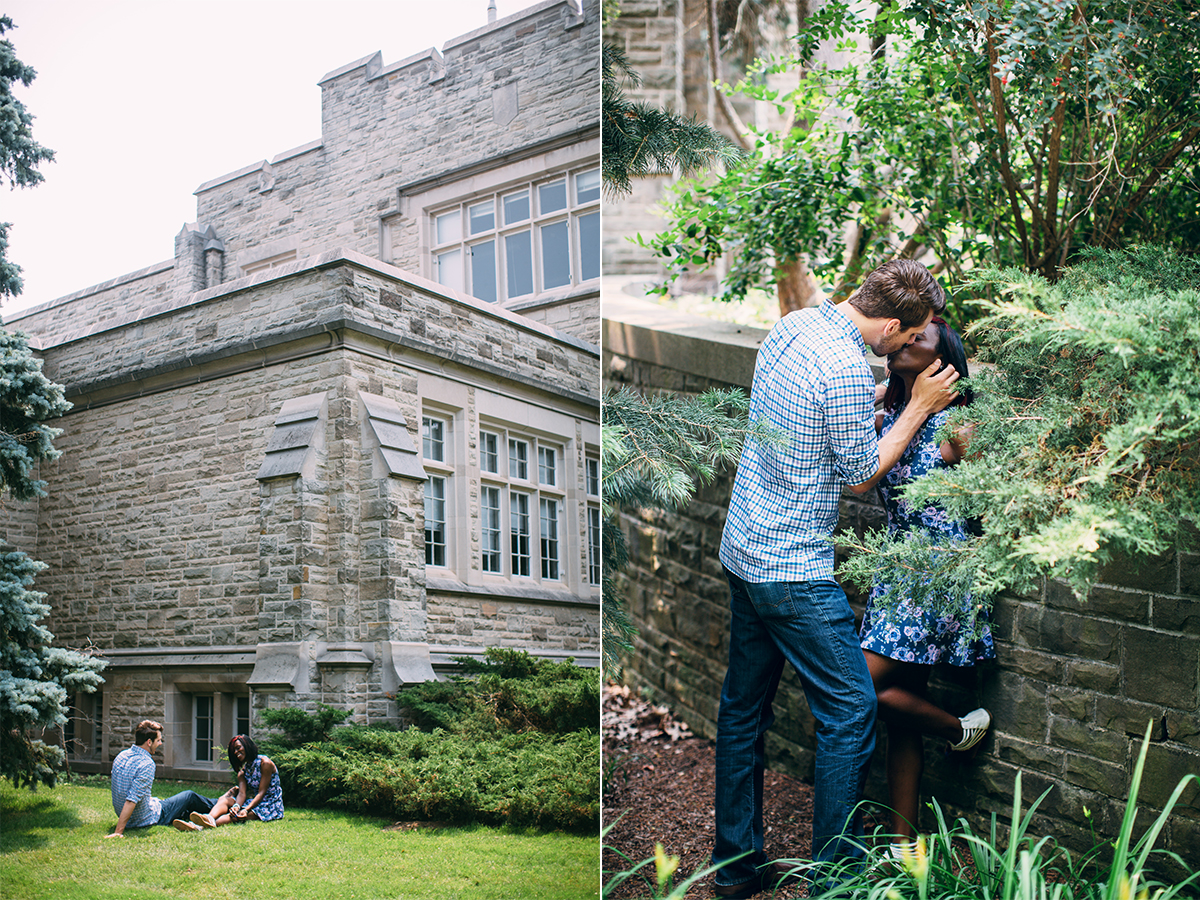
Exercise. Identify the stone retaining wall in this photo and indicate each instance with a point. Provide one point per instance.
(1072, 692)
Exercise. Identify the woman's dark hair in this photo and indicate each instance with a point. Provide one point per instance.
(950, 349)
(248, 747)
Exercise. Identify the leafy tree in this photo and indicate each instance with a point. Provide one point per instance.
(35, 677)
(1086, 444)
(20, 154)
(1000, 132)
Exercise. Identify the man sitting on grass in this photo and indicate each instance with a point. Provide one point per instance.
(133, 779)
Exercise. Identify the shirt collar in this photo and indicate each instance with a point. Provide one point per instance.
(839, 320)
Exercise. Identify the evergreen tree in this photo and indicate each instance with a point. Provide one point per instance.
(20, 154)
(35, 677)
(640, 139)
(655, 450)
(1086, 444)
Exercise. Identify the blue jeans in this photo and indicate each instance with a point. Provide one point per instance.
(183, 805)
(810, 625)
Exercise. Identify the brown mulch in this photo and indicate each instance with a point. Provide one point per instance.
(658, 788)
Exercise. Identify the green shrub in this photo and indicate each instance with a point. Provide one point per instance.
(509, 692)
(530, 779)
(514, 741)
(300, 727)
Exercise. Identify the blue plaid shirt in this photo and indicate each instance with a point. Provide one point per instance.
(133, 779)
(812, 382)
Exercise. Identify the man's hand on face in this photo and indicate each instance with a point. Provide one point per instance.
(932, 390)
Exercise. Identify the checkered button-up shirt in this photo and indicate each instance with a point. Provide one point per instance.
(812, 382)
(133, 779)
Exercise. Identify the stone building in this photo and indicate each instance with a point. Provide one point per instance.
(351, 430)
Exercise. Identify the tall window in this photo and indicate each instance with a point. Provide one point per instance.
(203, 726)
(435, 521)
(434, 435)
(242, 714)
(592, 478)
(531, 238)
(489, 514)
(523, 485)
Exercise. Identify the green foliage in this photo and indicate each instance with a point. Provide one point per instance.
(957, 863)
(515, 741)
(640, 139)
(27, 399)
(1086, 442)
(991, 133)
(20, 154)
(509, 692)
(654, 451)
(530, 779)
(300, 727)
(35, 677)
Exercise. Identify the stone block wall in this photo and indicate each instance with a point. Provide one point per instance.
(1074, 688)
(223, 518)
(492, 98)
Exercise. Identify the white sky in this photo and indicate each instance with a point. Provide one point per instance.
(142, 101)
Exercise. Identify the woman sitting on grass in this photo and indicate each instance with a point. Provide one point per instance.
(254, 773)
(902, 644)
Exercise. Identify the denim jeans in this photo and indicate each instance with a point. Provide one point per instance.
(810, 625)
(183, 805)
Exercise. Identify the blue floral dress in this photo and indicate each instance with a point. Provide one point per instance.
(271, 805)
(909, 633)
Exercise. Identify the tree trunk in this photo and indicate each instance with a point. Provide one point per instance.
(796, 287)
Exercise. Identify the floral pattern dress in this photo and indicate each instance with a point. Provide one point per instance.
(910, 633)
(271, 805)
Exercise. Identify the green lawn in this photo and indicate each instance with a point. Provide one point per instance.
(53, 845)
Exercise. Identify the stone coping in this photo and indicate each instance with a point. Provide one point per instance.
(512, 592)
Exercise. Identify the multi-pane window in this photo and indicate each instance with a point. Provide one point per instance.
(435, 521)
(489, 516)
(593, 527)
(549, 535)
(519, 532)
(531, 238)
(434, 435)
(523, 486)
(592, 478)
(242, 714)
(203, 721)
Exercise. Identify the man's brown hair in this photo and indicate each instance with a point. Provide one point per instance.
(900, 289)
(147, 730)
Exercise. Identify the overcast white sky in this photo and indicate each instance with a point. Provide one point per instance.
(142, 101)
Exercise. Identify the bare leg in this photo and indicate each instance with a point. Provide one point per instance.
(900, 689)
(220, 810)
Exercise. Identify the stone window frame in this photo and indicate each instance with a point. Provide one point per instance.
(180, 719)
(83, 732)
(577, 214)
(541, 567)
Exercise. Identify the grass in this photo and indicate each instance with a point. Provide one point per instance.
(53, 845)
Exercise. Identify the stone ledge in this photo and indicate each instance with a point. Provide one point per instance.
(515, 593)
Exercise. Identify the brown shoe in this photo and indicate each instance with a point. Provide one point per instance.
(203, 820)
(185, 826)
(770, 877)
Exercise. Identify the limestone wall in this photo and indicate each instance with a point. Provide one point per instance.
(1073, 689)
(238, 508)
